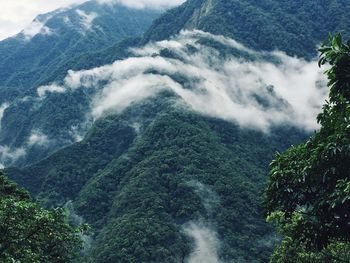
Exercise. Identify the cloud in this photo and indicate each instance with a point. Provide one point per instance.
(54, 88)
(260, 91)
(3, 107)
(35, 28)
(141, 4)
(8, 155)
(37, 138)
(86, 20)
(17, 15)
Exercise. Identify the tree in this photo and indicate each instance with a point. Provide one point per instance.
(308, 194)
(29, 233)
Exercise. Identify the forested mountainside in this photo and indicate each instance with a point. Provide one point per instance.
(296, 27)
(41, 51)
(141, 188)
(175, 138)
(26, 117)
(51, 39)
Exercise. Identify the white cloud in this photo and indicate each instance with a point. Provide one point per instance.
(54, 88)
(17, 15)
(35, 28)
(206, 244)
(37, 138)
(254, 93)
(86, 20)
(8, 155)
(141, 4)
(3, 107)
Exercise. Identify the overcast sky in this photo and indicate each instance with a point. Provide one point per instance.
(15, 15)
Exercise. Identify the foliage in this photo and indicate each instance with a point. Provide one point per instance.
(294, 27)
(30, 233)
(309, 190)
(138, 200)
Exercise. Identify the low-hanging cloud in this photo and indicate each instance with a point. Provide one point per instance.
(142, 4)
(35, 28)
(3, 107)
(9, 155)
(206, 244)
(272, 89)
(86, 19)
(38, 138)
(43, 90)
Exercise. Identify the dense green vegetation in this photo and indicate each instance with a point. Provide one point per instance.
(253, 23)
(309, 190)
(139, 177)
(291, 26)
(139, 199)
(32, 234)
(29, 63)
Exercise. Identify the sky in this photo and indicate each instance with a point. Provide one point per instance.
(15, 15)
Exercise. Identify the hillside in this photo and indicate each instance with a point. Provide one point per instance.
(51, 39)
(33, 56)
(291, 26)
(169, 145)
(174, 170)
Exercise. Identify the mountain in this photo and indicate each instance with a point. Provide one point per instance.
(64, 34)
(41, 51)
(291, 26)
(145, 177)
(63, 120)
(173, 139)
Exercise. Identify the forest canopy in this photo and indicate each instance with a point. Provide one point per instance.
(308, 195)
(30, 233)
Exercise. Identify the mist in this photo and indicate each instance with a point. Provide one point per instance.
(3, 107)
(206, 244)
(253, 89)
(143, 4)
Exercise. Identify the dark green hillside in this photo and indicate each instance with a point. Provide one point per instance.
(296, 27)
(254, 23)
(30, 233)
(157, 178)
(139, 197)
(26, 64)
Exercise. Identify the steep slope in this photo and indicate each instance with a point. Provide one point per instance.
(182, 171)
(254, 23)
(51, 39)
(296, 27)
(175, 172)
(40, 54)
(184, 158)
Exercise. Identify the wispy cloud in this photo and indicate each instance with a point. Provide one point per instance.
(86, 19)
(17, 15)
(3, 107)
(54, 88)
(142, 4)
(206, 244)
(38, 138)
(35, 28)
(271, 89)
(9, 155)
